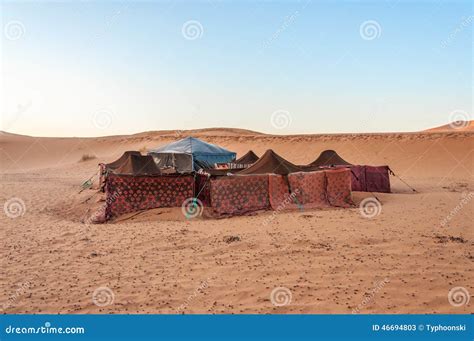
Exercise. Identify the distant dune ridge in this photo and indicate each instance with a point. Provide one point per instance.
(28, 152)
(419, 244)
(454, 126)
(459, 126)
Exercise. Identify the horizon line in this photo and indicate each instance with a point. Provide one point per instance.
(450, 128)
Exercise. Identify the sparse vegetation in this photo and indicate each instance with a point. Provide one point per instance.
(445, 239)
(231, 239)
(143, 150)
(87, 157)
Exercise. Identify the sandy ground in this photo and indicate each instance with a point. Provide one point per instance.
(404, 260)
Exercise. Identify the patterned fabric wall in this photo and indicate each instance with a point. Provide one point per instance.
(234, 195)
(280, 197)
(358, 178)
(377, 179)
(339, 187)
(127, 193)
(370, 179)
(231, 195)
(310, 188)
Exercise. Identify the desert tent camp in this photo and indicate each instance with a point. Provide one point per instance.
(134, 183)
(190, 154)
(271, 163)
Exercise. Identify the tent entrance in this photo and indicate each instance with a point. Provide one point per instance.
(181, 162)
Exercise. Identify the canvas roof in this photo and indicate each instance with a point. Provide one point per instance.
(204, 155)
(249, 157)
(271, 162)
(121, 159)
(329, 158)
(192, 145)
(133, 163)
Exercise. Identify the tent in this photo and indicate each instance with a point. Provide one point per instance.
(133, 182)
(249, 157)
(329, 158)
(117, 163)
(190, 154)
(245, 161)
(132, 163)
(271, 163)
(364, 178)
(371, 178)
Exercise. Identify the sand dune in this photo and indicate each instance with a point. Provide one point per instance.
(405, 260)
(454, 126)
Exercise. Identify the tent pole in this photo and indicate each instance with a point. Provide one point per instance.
(393, 173)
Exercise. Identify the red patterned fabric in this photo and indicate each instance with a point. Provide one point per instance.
(128, 193)
(280, 197)
(310, 188)
(339, 187)
(358, 179)
(234, 195)
(377, 179)
(370, 179)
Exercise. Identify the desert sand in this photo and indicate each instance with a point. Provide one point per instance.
(404, 260)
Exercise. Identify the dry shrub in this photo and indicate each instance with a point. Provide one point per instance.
(87, 157)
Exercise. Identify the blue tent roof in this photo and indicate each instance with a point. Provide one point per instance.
(201, 151)
(192, 145)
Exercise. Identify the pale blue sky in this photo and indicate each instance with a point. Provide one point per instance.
(102, 68)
